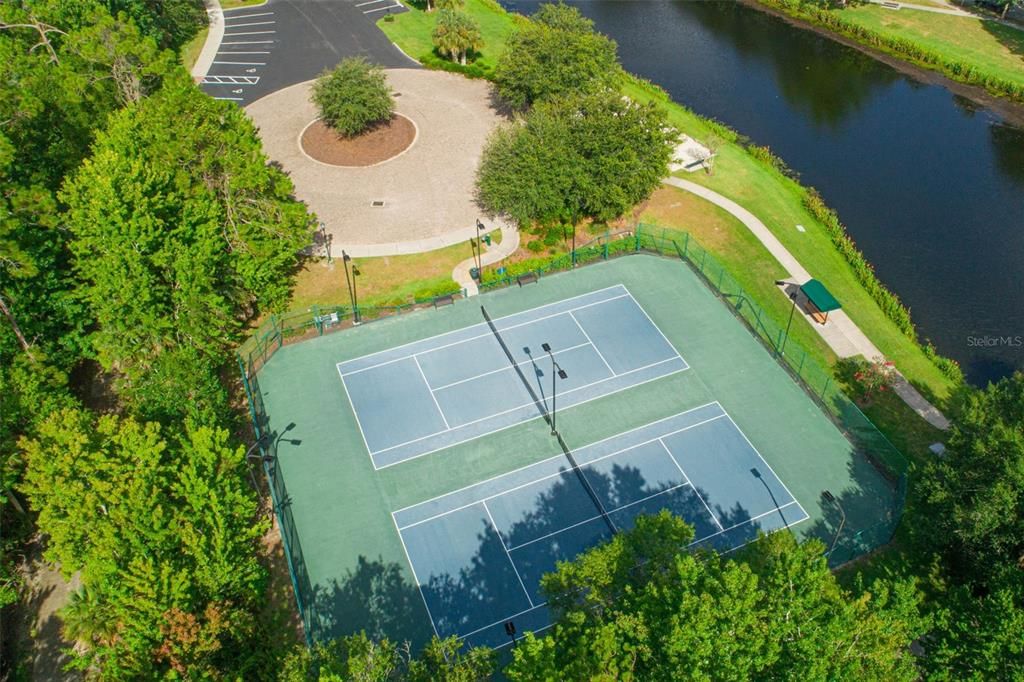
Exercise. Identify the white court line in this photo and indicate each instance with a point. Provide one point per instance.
(561, 456)
(695, 491)
(595, 518)
(760, 457)
(253, 23)
(560, 472)
(418, 585)
(483, 324)
(381, 9)
(519, 407)
(215, 61)
(505, 369)
(486, 334)
(673, 457)
(506, 618)
(246, 16)
(432, 396)
(512, 563)
(751, 520)
(359, 424)
(591, 341)
(653, 324)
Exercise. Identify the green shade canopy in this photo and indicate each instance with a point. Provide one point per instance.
(821, 297)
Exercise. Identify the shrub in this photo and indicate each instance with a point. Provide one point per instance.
(353, 96)
(456, 35)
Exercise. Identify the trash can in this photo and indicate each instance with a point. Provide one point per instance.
(474, 273)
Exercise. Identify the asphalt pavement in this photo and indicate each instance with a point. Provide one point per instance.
(282, 42)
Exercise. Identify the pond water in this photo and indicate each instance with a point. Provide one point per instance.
(929, 185)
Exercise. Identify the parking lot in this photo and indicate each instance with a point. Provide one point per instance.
(282, 42)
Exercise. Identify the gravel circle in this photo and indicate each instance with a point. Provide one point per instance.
(376, 145)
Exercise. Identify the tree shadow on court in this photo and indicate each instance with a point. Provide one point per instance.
(561, 523)
(375, 598)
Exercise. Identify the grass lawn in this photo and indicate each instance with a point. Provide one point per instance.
(411, 30)
(387, 280)
(190, 50)
(993, 48)
(777, 201)
(738, 250)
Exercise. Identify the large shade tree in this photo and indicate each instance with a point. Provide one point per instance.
(639, 608)
(543, 61)
(580, 156)
(161, 528)
(181, 231)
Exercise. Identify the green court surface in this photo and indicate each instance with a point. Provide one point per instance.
(353, 570)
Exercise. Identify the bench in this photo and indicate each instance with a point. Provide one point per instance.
(447, 299)
(528, 278)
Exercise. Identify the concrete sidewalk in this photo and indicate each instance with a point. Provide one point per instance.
(509, 244)
(840, 333)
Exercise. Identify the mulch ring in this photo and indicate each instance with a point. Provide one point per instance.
(379, 143)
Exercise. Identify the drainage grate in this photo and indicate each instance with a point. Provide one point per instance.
(377, 203)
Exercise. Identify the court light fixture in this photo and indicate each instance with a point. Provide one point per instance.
(829, 497)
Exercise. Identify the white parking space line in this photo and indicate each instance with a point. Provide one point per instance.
(233, 99)
(217, 61)
(231, 80)
(380, 9)
(250, 42)
(249, 33)
(371, 2)
(253, 23)
(225, 54)
(229, 17)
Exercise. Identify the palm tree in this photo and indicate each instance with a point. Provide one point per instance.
(86, 618)
(456, 34)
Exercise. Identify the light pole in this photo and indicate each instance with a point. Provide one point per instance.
(829, 497)
(556, 373)
(250, 456)
(510, 630)
(792, 311)
(479, 247)
(351, 282)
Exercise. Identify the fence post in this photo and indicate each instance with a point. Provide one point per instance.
(800, 369)
(277, 330)
(316, 319)
(824, 388)
(686, 242)
(721, 276)
(703, 257)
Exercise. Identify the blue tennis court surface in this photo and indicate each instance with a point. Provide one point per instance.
(478, 553)
(431, 394)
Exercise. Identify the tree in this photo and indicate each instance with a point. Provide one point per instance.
(357, 657)
(353, 96)
(162, 528)
(639, 608)
(563, 17)
(579, 156)
(542, 62)
(181, 231)
(171, 23)
(449, 4)
(974, 495)
(978, 637)
(456, 34)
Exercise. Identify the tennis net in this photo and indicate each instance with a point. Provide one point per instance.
(542, 408)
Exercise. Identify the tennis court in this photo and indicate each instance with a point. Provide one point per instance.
(420, 489)
(431, 394)
(478, 553)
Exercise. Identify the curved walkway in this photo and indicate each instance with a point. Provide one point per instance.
(840, 332)
(509, 244)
